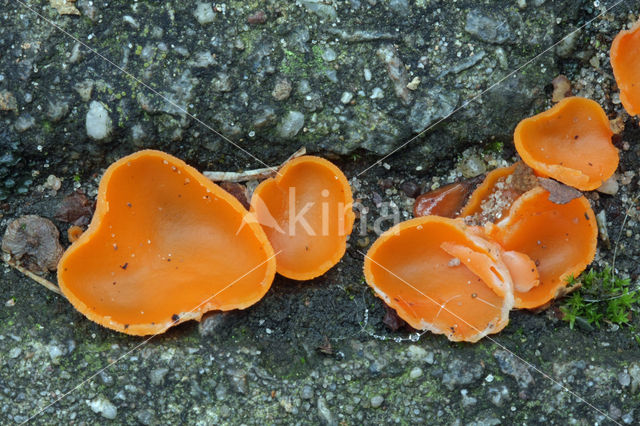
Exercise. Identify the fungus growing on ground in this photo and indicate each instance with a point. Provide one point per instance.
(625, 61)
(571, 142)
(446, 201)
(165, 245)
(306, 212)
(441, 276)
(491, 200)
(560, 238)
(73, 233)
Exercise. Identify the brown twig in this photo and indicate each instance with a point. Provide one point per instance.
(42, 281)
(258, 174)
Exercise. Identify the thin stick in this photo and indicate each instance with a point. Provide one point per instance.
(258, 174)
(42, 281)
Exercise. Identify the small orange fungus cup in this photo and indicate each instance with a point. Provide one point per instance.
(560, 239)
(165, 245)
(570, 142)
(307, 214)
(486, 189)
(625, 61)
(442, 276)
(446, 201)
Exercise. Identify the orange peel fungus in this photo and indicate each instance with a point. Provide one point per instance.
(625, 61)
(570, 142)
(165, 245)
(560, 239)
(307, 214)
(442, 276)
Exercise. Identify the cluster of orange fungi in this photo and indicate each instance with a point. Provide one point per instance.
(166, 245)
(469, 257)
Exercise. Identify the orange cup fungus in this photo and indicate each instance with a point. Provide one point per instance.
(442, 276)
(306, 212)
(571, 142)
(625, 61)
(165, 245)
(446, 201)
(560, 239)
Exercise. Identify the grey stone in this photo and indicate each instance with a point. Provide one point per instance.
(222, 83)
(157, 376)
(329, 54)
(291, 124)
(401, 7)
(461, 372)
(104, 407)
(512, 366)
(567, 45)
(24, 123)
(624, 379)
(467, 401)
(15, 352)
(320, 8)
(487, 28)
(204, 13)
(307, 392)
(415, 373)
(376, 401)
(427, 110)
(145, 417)
(238, 380)
(57, 110)
(498, 395)
(325, 413)
(98, 122)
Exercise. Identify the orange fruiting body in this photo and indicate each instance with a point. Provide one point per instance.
(571, 142)
(165, 245)
(446, 201)
(625, 61)
(73, 233)
(559, 239)
(307, 214)
(440, 275)
(485, 189)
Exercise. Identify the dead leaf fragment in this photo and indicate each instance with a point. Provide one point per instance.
(64, 7)
(33, 241)
(76, 209)
(559, 193)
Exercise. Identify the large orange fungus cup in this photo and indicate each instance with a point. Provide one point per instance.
(307, 214)
(165, 245)
(625, 61)
(442, 276)
(560, 239)
(571, 142)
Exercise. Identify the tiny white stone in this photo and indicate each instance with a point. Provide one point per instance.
(98, 123)
(346, 97)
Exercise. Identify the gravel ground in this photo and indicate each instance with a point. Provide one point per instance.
(352, 81)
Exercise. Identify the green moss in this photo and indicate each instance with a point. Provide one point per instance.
(602, 298)
(300, 65)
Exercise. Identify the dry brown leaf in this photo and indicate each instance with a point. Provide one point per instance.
(64, 7)
(559, 193)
